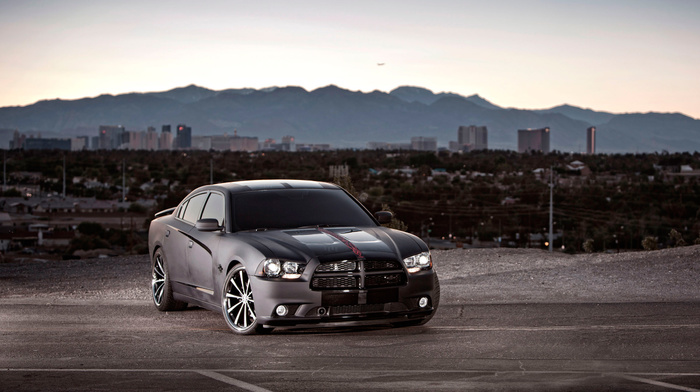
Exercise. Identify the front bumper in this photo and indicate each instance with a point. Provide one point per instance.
(307, 307)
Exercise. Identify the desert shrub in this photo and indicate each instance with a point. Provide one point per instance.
(649, 243)
(588, 246)
(676, 238)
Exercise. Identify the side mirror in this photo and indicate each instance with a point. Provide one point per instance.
(208, 224)
(383, 217)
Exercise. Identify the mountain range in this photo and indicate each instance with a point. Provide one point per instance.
(349, 119)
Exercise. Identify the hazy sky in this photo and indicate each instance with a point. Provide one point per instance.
(619, 56)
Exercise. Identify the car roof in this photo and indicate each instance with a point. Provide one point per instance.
(258, 185)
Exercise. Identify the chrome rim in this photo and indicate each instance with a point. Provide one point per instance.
(240, 306)
(158, 280)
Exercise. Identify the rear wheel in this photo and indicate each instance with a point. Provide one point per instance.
(161, 289)
(238, 304)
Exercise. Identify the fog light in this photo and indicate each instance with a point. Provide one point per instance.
(423, 302)
(281, 310)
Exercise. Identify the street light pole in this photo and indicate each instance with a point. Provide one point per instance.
(123, 180)
(551, 208)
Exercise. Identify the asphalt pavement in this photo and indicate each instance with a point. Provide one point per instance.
(110, 344)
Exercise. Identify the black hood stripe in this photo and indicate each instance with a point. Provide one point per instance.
(353, 248)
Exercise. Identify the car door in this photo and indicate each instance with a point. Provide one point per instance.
(178, 240)
(202, 247)
(174, 245)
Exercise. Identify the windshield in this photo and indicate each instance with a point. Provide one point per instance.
(290, 208)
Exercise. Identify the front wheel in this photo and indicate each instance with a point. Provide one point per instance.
(238, 304)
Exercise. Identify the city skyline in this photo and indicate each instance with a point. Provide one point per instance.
(619, 56)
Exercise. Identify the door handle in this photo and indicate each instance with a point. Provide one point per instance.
(167, 233)
(190, 243)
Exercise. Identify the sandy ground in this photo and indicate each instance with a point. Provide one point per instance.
(467, 277)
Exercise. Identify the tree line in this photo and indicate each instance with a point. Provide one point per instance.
(617, 202)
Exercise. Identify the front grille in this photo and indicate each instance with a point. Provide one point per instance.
(335, 282)
(356, 309)
(377, 265)
(365, 274)
(337, 266)
(383, 280)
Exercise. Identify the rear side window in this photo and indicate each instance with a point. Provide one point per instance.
(215, 208)
(194, 208)
(181, 211)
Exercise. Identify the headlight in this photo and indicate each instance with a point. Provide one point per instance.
(418, 262)
(274, 268)
(292, 270)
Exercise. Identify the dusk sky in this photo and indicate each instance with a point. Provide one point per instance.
(619, 56)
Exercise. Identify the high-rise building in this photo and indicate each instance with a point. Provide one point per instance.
(423, 143)
(243, 143)
(533, 140)
(184, 136)
(165, 142)
(136, 140)
(151, 141)
(80, 143)
(473, 137)
(111, 137)
(17, 141)
(289, 143)
(590, 140)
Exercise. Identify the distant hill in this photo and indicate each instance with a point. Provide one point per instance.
(349, 119)
(590, 116)
(423, 95)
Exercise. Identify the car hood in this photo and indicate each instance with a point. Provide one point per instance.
(338, 243)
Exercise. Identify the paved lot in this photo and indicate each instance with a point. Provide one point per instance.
(127, 345)
(510, 321)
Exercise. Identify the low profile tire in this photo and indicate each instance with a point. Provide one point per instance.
(436, 303)
(161, 289)
(238, 305)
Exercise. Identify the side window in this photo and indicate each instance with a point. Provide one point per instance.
(215, 208)
(194, 208)
(181, 211)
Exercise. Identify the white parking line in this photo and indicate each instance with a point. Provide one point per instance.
(654, 382)
(216, 374)
(331, 370)
(568, 327)
(232, 381)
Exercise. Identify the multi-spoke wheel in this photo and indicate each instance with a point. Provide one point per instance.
(238, 304)
(160, 285)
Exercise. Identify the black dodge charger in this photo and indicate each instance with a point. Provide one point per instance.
(289, 253)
